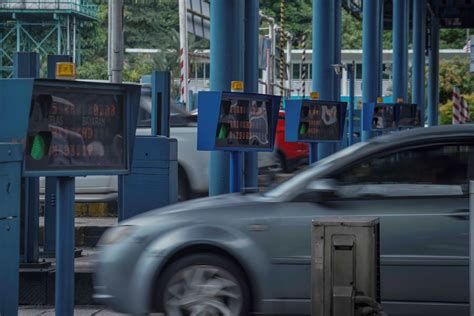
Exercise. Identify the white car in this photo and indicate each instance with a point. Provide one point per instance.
(193, 165)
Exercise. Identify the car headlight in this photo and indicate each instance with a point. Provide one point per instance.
(116, 234)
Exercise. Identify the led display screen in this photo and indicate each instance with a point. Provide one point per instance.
(76, 129)
(245, 123)
(409, 115)
(320, 121)
(384, 116)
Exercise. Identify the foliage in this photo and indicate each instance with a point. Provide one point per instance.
(454, 72)
(446, 110)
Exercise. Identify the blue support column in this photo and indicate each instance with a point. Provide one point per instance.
(227, 65)
(370, 48)
(64, 291)
(418, 67)
(51, 182)
(380, 48)
(433, 73)
(27, 65)
(350, 73)
(400, 50)
(252, 26)
(337, 47)
(324, 44)
(160, 116)
(235, 171)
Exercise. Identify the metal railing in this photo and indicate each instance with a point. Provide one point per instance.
(84, 7)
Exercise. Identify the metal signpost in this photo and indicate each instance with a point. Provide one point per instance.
(73, 129)
(315, 121)
(237, 122)
(388, 117)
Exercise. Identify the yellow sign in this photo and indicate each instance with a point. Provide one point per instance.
(399, 100)
(65, 70)
(359, 104)
(237, 86)
(379, 100)
(314, 95)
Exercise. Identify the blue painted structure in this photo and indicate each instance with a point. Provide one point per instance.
(370, 70)
(433, 72)
(324, 43)
(14, 124)
(210, 104)
(350, 129)
(252, 26)
(418, 65)
(227, 59)
(27, 65)
(50, 182)
(400, 50)
(153, 180)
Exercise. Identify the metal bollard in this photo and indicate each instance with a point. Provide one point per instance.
(343, 279)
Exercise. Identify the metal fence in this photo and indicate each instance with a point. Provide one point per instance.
(81, 6)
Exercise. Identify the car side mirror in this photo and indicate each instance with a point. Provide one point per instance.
(318, 191)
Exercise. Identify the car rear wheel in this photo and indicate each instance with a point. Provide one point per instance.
(203, 285)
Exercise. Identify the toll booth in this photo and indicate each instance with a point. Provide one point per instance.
(315, 121)
(13, 126)
(153, 180)
(66, 129)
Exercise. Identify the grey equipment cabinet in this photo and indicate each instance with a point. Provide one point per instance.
(344, 264)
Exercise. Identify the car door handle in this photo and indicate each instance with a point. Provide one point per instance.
(462, 214)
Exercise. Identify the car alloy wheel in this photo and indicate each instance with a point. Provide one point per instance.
(203, 290)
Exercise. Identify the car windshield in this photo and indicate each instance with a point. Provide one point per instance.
(299, 179)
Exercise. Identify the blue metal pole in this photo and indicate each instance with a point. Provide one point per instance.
(227, 65)
(337, 47)
(64, 292)
(27, 65)
(350, 73)
(433, 73)
(400, 50)
(418, 67)
(324, 44)
(50, 182)
(160, 112)
(370, 53)
(251, 80)
(235, 171)
(380, 48)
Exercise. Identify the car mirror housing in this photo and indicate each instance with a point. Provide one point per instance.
(318, 191)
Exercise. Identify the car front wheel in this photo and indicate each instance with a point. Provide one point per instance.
(203, 285)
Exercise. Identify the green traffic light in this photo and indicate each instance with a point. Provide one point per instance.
(303, 129)
(38, 148)
(222, 132)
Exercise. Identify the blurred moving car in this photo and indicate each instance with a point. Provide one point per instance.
(291, 155)
(240, 253)
(192, 164)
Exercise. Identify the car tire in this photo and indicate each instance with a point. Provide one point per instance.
(203, 282)
(283, 162)
(184, 190)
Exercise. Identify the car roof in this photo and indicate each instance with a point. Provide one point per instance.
(427, 133)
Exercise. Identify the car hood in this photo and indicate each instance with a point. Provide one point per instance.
(226, 205)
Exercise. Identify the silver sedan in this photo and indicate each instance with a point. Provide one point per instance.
(238, 254)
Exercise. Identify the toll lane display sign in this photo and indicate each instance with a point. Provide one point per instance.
(244, 123)
(314, 121)
(386, 116)
(236, 121)
(83, 127)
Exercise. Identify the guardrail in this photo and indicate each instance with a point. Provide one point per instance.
(81, 6)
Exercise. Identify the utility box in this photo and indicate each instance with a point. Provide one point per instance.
(344, 264)
(11, 156)
(153, 181)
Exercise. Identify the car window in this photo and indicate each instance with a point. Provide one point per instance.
(178, 117)
(432, 170)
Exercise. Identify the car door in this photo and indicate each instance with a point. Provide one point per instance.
(420, 195)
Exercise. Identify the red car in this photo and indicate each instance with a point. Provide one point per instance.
(291, 155)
